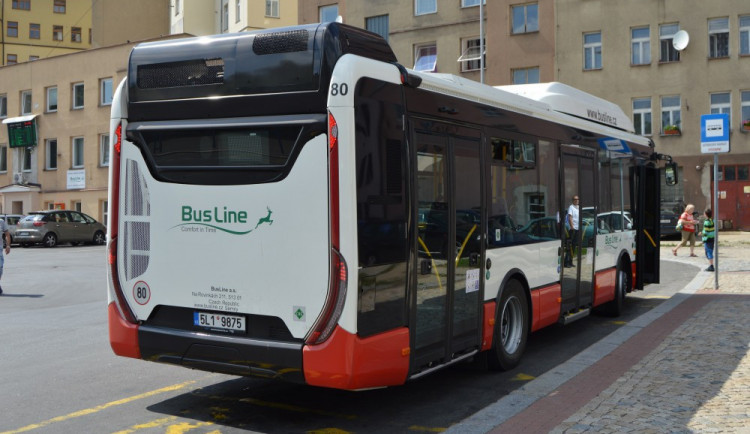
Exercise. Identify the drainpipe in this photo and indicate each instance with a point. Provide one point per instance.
(481, 41)
(2, 30)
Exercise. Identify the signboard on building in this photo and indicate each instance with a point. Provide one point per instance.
(76, 179)
(715, 133)
(22, 131)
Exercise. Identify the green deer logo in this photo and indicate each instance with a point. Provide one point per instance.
(266, 219)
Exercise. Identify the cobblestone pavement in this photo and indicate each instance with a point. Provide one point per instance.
(698, 378)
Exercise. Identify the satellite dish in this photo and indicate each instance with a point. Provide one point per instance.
(680, 40)
(339, 19)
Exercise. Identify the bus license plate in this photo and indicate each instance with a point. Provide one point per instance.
(219, 321)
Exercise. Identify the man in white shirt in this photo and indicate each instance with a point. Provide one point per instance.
(572, 223)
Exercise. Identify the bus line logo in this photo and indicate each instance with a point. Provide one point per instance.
(225, 220)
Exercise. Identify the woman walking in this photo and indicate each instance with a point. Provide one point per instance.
(687, 223)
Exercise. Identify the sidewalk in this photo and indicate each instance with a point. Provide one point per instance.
(682, 367)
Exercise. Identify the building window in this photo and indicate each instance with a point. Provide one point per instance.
(225, 15)
(22, 4)
(11, 59)
(34, 31)
(26, 102)
(670, 114)
(50, 161)
(422, 7)
(471, 55)
(78, 95)
(104, 150)
(76, 206)
(272, 9)
(526, 75)
(105, 211)
(52, 99)
(105, 91)
(237, 13)
(26, 159)
(3, 106)
(745, 107)
(12, 29)
(75, 34)
(642, 116)
(667, 52)
(425, 58)
(328, 14)
(3, 158)
(721, 102)
(470, 3)
(176, 7)
(525, 18)
(77, 153)
(592, 51)
(59, 7)
(57, 33)
(378, 25)
(718, 37)
(641, 46)
(745, 35)
(33, 58)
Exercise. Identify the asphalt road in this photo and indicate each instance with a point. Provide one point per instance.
(58, 374)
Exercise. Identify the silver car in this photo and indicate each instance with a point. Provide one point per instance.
(11, 220)
(58, 226)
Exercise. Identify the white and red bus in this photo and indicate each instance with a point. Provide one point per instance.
(293, 203)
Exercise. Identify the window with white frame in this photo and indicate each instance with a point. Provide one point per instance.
(57, 33)
(77, 95)
(59, 7)
(3, 106)
(272, 8)
(721, 102)
(26, 159)
(425, 58)
(640, 42)
(104, 150)
(745, 35)
(77, 148)
(745, 107)
(422, 7)
(76, 205)
(470, 3)
(75, 34)
(642, 116)
(328, 14)
(26, 102)
(105, 91)
(225, 15)
(525, 18)
(378, 24)
(670, 113)
(592, 50)
(718, 37)
(667, 52)
(52, 99)
(105, 211)
(526, 75)
(237, 13)
(176, 7)
(50, 160)
(11, 59)
(3, 158)
(471, 56)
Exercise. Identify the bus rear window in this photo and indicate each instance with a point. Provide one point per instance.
(216, 148)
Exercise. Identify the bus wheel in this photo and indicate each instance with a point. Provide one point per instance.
(511, 331)
(614, 308)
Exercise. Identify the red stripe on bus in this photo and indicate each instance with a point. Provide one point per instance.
(632, 276)
(604, 290)
(545, 306)
(123, 335)
(489, 325)
(346, 361)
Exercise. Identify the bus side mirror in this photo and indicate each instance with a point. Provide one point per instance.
(670, 173)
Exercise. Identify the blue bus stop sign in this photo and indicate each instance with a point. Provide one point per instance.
(715, 133)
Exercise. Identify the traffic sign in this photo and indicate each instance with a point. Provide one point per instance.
(715, 133)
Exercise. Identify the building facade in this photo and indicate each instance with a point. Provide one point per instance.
(38, 29)
(208, 17)
(116, 22)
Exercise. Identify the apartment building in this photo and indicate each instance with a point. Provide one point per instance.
(208, 17)
(36, 29)
(54, 140)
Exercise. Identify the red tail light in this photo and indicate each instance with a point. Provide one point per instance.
(39, 223)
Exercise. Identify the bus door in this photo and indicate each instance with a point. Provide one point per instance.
(645, 193)
(449, 247)
(579, 246)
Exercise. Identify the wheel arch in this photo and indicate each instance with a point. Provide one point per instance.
(516, 274)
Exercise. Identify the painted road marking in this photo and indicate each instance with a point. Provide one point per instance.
(99, 408)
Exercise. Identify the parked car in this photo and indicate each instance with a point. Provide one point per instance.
(12, 220)
(670, 213)
(58, 226)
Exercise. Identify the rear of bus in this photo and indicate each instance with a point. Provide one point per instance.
(223, 249)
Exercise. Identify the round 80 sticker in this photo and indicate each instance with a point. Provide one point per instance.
(141, 292)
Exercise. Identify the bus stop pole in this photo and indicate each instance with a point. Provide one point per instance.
(716, 217)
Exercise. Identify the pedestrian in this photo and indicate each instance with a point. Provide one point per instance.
(6, 247)
(571, 225)
(686, 223)
(708, 237)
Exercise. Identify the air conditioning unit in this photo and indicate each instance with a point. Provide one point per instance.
(18, 178)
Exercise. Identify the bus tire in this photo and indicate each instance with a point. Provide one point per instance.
(511, 328)
(614, 308)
